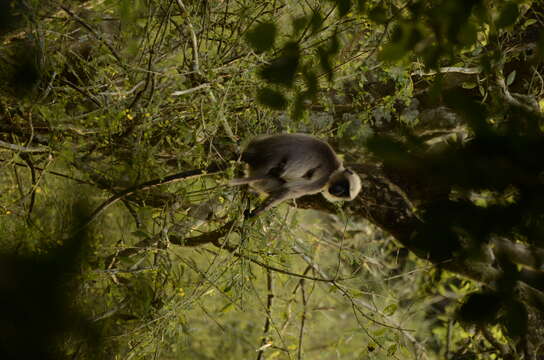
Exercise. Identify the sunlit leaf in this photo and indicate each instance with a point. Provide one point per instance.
(390, 309)
(391, 350)
(511, 77)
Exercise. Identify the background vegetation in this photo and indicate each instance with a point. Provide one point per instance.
(121, 122)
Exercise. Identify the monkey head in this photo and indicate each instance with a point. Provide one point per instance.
(344, 184)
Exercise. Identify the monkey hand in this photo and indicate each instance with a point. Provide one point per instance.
(249, 214)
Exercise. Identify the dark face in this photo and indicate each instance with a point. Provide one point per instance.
(340, 188)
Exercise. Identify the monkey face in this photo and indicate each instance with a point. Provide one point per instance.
(343, 185)
(340, 188)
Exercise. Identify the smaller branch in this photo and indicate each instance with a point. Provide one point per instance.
(196, 68)
(28, 161)
(133, 212)
(150, 184)
(140, 246)
(450, 69)
(148, 79)
(188, 91)
(127, 271)
(81, 91)
(196, 65)
(23, 149)
(123, 93)
(506, 96)
(111, 312)
(266, 328)
(52, 173)
(213, 238)
(302, 319)
(222, 118)
(207, 238)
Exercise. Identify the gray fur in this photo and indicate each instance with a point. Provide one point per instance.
(288, 166)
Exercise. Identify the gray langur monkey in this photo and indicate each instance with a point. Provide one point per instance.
(288, 166)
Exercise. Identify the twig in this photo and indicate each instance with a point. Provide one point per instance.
(303, 317)
(222, 117)
(207, 238)
(28, 161)
(196, 68)
(266, 328)
(81, 91)
(213, 238)
(53, 173)
(95, 34)
(123, 93)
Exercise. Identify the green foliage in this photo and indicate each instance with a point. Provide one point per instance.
(119, 93)
(282, 70)
(38, 314)
(480, 308)
(343, 7)
(508, 15)
(261, 38)
(272, 98)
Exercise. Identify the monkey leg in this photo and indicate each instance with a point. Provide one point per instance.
(272, 200)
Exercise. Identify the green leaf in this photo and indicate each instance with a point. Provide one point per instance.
(378, 15)
(509, 15)
(283, 69)
(325, 60)
(516, 319)
(272, 98)
(480, 308)
(298, 107)
(312, 83)
(141, 234)
(390, 309)
(391, 350)
(392, 52)
(343, 7)
(360, 5)
(299, 24)
(528, 23)
(262, 36)
(316, 22)
(511, 77)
